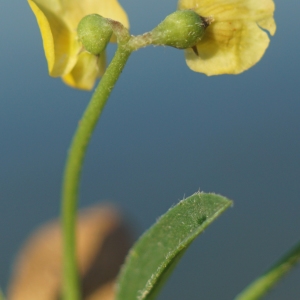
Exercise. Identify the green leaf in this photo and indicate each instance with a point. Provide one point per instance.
(154, 256)
(264, 283)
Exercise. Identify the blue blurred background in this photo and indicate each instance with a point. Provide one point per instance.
(166, 133)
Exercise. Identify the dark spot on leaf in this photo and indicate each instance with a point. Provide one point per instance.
(201, 220)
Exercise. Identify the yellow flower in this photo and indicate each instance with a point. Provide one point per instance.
(235, 40)
(58, 21)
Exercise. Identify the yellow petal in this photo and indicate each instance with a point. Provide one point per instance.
(58, 21)
(77, 9)
(72, 11)
(86, 71)
(224, 10)
(228, 48)
(60, 44)
(234, 41)
(260, 11)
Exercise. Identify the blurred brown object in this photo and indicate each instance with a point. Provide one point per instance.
(102, 244)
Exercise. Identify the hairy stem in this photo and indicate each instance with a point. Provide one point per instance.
(71, 180)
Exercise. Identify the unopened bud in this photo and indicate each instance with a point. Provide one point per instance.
(94, 32)
(182, 29)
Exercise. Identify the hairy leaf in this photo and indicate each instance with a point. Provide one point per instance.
(156, 253)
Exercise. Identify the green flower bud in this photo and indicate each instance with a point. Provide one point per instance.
(181, 29)
(94, 32)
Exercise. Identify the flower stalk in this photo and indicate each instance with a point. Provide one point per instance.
(73, 169)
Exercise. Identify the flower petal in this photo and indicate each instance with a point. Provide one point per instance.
(58, 21)
(228, 48)
(86, 71)
(235, 40)
(105, 8)
(72, 11)
(60, 44)
(260, 11)
(225, 10)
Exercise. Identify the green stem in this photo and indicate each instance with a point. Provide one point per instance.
(263, 284)
(71, 289)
